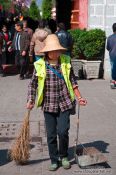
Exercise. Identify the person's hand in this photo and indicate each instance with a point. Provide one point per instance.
(10, 49)
(82, 101)
(23, 53)
(30, 105)
(9, 42)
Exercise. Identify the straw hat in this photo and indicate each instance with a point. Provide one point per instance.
(52, 43)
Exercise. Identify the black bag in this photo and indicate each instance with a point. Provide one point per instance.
(73, 110)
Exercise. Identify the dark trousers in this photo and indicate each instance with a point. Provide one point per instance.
(57, 123)
(4, 57)
(22, 63)
(1, 69)
(113, 68)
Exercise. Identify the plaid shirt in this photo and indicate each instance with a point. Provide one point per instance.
(56, 94)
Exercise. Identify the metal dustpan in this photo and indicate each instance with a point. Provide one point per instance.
(89, 156)
(86, 156)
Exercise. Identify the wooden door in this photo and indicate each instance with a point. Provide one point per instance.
(75, 14)
(79, 14)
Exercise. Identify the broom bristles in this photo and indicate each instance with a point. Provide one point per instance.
(19, 151)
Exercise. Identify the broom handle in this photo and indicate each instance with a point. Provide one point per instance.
(29, 110)
(28, 113)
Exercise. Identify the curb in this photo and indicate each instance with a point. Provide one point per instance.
(12, 69)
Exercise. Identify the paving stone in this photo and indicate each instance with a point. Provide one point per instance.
(97, 123)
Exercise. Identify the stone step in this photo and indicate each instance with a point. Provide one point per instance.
(12, 69)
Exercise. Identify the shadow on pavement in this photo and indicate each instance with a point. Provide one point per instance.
(99, 145)
(30, 162)
(32, 146)
(4, 157)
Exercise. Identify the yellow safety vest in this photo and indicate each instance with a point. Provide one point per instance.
(41, 73)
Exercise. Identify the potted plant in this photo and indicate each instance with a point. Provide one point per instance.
(77, 56)
(92, 45)
(89, 46)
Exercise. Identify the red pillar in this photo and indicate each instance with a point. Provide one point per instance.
(75, 14)
(0, 7)
(79, 17)
(83, 14)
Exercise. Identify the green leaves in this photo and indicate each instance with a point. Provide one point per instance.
(25, 12)
(6, 4)
(90, 43)
(34, 12)
(46, 9)
(76, 37)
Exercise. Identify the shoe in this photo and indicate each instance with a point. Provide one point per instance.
(65, 163)
(2, 75)
(53, 167)
(21, 77)
(112, 85)
(26, 76)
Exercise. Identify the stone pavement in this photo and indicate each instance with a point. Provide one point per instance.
(97, 128)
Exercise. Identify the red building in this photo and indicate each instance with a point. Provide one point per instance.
(74, 13)
(79, 14)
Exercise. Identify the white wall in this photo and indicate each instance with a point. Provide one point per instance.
(102, 14)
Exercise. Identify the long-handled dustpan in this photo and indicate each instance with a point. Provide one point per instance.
(86, 156)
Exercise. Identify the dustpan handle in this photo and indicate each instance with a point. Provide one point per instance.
(78, 111)
(77, 132)
(77, 136)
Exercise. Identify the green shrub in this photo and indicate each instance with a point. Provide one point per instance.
(92, 43)
(46, 9)
(25, 12)
(76, 52)
(89, 44)
(34, 12)
(6, 4)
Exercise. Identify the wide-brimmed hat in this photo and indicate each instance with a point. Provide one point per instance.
(52, 44)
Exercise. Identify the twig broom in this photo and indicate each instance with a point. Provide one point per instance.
(20, 150)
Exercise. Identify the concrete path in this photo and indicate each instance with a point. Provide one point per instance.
(97, 128)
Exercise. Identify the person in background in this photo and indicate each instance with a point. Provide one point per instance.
(52, 25)
(10, 25)
(6, 56)
(1, 45)
(37, 41)
(27, 29)
(47, 28)
(64, 38)
(111, 47)
(55, 82)
(30, 33)
(20, 17)
(21, 46)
